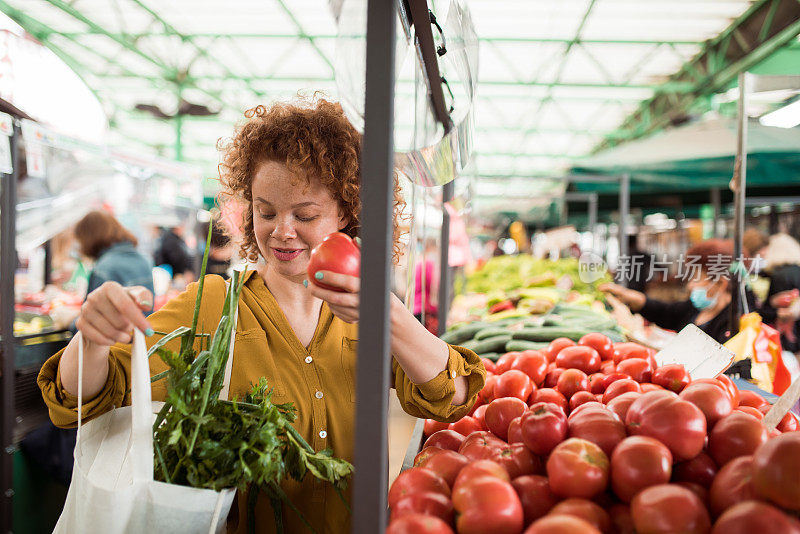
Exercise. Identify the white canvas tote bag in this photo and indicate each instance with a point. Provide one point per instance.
(112, 489)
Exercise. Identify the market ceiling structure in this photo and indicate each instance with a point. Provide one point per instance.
(557, 82)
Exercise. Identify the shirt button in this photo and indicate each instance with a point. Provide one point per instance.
(309, 359)
(323, 434)
(318, 394)
(452, 374)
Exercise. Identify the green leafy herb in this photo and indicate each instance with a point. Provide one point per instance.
(202, 441)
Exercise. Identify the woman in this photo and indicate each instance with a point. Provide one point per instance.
(297, 169)
(782, 265)
(112, 247)
(709, 301)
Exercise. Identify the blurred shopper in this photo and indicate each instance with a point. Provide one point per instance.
(425, 281)
(781, 308)
(173, 251)
(220, 251)
(756, 242)
(113, 249)
(709, 302)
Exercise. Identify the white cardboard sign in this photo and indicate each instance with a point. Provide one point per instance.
(699, 353)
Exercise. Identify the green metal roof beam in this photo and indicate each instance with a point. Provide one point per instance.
(764, 28)
(304, 35)
(497, 39)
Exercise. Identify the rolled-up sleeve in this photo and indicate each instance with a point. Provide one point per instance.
(433, 399)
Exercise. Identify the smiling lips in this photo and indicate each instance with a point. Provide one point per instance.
(286, 254)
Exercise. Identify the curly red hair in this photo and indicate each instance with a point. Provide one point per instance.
(314, 139)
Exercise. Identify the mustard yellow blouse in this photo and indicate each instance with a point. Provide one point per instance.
(318, 379)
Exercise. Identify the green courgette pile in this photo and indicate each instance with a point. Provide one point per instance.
(491, 340)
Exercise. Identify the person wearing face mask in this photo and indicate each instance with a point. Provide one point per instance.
(781, 307)
(709, 299)
(295, 168)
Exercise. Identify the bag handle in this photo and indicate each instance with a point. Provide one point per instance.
(141, 410)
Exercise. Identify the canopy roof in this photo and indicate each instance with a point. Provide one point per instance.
(557, 79)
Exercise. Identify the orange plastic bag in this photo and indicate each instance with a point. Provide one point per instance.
(762, 345)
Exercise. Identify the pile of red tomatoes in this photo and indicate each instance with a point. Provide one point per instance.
(594, 437)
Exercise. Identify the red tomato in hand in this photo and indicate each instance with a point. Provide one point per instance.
(586, 510)
(549, 395)
(737, 434)
(465, 426)
(701, 470)
(577, 468)
(432, 426)
(776, 465)
(418, 524)
(579, 357)
(598, 425)
(416, 480)
(581, 397)
(673, 377)
(712, 400)
(426, 503)
(513, 383)
(733, 484)
(669, 508)
(533, 364)
(572, 381)
(561, 524)
(618, 387)
(543, 427)
(518, 460)
(505, 362)
(754, 516)
(535, 495)
(447, 464)
(678, 424)
(639, 462)
(637, 368)
(599, 342)
(555, 347)
(620, 404)
(500, 413)
(445, 439)
(481, 445)
(488, 504)
(337, 253)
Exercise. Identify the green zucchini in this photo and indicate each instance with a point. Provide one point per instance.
(549, 333)
(490, 344)
(490, 332)
(463, 334)
(520, 345)
(493, 356)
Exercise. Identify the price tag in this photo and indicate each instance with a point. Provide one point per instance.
(699, 353)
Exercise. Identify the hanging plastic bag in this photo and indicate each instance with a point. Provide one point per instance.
(112, 489)
(762, 345)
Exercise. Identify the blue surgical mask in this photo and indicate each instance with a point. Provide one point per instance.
(700, 299)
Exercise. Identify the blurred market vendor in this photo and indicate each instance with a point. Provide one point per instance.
(173, 251)
(781, 307)
(296, 169)
(706, 269)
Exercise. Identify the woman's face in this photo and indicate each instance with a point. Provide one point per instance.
(713, 287)
(291, 217)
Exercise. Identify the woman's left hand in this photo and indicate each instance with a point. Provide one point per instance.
(344, 304)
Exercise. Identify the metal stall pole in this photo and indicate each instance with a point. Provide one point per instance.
(593, 218)
(716, 203)
(8, 266)
(445, 276)
(738, 185)
(624, 210)
(372, 378)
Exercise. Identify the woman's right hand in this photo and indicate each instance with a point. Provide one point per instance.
(110, 313)
(635, 300)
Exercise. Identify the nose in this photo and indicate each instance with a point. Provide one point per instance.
(284, 230)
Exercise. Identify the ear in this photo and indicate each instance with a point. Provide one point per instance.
(344, 220)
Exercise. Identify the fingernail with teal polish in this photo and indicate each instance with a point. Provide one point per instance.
(305, 283)
(149, 332)
(318, 275)
(357, 240)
